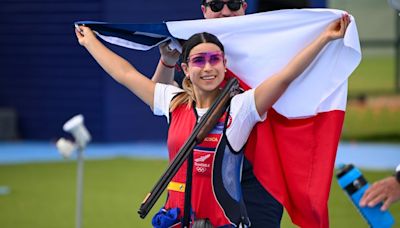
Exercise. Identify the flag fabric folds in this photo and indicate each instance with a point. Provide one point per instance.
(294, 149)
(135, 36)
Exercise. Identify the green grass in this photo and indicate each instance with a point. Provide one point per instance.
(371, 125)
(374, 76)
(43, 195)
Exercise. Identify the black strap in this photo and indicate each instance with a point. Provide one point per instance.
(188, 193)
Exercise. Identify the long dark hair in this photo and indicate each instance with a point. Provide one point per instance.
(196, 39)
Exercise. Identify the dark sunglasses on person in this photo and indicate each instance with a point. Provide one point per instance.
(201, 59)
(217, 5)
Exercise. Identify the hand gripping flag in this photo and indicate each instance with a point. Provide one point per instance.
(294, 149)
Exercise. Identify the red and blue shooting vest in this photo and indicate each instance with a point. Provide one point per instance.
(216, 191)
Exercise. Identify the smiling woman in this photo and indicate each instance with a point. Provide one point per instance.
(204, 66)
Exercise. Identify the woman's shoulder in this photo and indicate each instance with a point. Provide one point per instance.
(168, 88)
(243, 97)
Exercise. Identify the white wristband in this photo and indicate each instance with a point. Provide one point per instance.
(397, 174)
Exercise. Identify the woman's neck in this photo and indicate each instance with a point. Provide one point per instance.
(206, 99)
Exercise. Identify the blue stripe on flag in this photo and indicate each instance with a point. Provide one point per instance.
(145, 34)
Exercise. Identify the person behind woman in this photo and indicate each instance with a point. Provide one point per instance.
(216, 192)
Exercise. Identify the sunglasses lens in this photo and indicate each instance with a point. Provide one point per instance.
(216, 6)
(234, 5)
(199, 61)
(215, 59)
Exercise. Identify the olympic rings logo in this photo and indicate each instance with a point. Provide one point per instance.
(201, 169)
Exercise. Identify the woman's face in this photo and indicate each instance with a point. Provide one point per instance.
(208, 13)
(205, 67)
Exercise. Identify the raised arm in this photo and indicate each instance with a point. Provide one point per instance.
(166, 66)
(269, 91)
(117, 67)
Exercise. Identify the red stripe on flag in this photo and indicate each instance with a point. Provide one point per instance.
(229, 74)
(294, 161)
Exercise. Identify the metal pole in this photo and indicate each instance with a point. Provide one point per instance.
(79, 189)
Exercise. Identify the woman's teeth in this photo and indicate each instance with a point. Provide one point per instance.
(208, 77)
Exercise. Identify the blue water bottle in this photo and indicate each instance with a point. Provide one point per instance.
(354, 184)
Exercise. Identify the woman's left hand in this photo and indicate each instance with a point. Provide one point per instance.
(337, 29)
(168, 56)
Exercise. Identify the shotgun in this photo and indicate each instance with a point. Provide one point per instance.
(200, 131)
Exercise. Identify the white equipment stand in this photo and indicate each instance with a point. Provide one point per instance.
(76, 127)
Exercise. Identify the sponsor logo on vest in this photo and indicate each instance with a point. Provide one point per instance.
(202, 163)
(211, 139)
(201, 169)
(202, 158)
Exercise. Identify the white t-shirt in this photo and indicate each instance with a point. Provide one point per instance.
(243, 112)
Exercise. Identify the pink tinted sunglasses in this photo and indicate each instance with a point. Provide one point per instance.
(200, 60)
